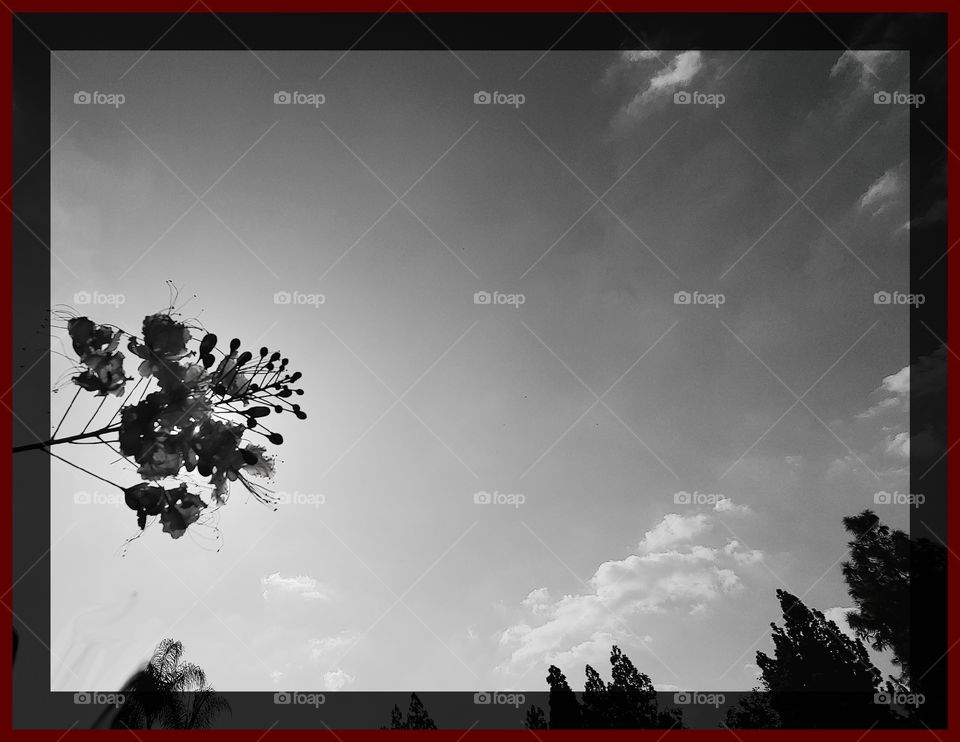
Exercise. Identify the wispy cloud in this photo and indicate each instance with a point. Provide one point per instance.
(657, 80)
(865, 63)
(878, 196)
(299, 586)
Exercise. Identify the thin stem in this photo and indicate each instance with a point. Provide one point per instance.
(43, 445)
(85, 471)
(93, 416)
(69, 407)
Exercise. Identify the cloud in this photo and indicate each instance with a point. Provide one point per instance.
(321, 648)
(726, 505)
(299, 586)
(337, 679)
(674, 528)
(794, 462)
(878, 196)
(639, 55)
(668, 574)
(897, 387)
(898, 445)
(657, 87)
(865, 62)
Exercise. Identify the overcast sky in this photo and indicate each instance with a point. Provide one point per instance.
(593, 203)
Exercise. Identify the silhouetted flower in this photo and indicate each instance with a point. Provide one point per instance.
(181, 510)
(104, 375)
(96, 345)
(164, 342)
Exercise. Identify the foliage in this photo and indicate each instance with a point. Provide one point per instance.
(170, 694)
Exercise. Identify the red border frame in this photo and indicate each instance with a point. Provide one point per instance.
(952, 8)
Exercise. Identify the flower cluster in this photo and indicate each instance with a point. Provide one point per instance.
(196, 418)
(97, 347)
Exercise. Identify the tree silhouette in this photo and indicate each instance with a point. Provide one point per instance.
(898, 584)
(192, 416)
(818, 677)
(628, 702)
(417, 716)
(535, 718)
(633, 699)
(596, 702)
(564, 707)
(752, 712)
(168, 693)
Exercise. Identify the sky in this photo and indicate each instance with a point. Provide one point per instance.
(656, 468)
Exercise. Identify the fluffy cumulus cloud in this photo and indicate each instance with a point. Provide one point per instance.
(656, 76)
(298, 586)
(337, 679)
(671, 571)
(674, 528)
(865, 64)
(894, 393)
